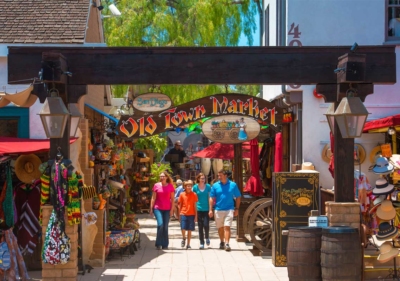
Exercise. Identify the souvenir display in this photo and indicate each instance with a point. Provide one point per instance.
(387, 252)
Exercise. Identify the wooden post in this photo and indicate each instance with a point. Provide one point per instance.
(239, 181)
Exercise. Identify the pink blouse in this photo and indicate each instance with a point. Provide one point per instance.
(163, 196)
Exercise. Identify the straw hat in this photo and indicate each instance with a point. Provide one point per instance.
(327, 153)
(374, 154)
(382, 187)
(387, 252)
(27, 168)
(386, 231)
(307, 167)
(386, 211)
(178, 142)
(199, 142)
(382, 166)
(395, 160)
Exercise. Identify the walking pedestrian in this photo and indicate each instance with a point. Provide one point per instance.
(227, 201)
(178, 190)
(161, 205)
(188, 213)
(202, 190)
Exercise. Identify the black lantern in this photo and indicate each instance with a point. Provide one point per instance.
(54, 116)
(75, 118)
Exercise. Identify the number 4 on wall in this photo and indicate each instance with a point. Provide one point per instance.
(294, 30)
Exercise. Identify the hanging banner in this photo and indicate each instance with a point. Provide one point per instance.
(152, 102)
(147, 124)
(231, 129)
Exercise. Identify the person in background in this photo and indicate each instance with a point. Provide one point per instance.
(178, 190)
(190, 150)
(161, 205)
(227, 202)
(202, 190)
(177, 150)
(188, 213)
(197, 161)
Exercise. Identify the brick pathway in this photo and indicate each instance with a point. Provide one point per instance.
(180, 264)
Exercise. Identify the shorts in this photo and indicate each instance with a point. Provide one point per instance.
(187, 222)
(223, 218)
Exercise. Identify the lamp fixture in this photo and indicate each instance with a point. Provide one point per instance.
(54, 116)
(75, 118)
(350, 116)
(114, 11)
(391, 131)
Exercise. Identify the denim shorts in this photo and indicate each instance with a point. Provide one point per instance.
(187, 222)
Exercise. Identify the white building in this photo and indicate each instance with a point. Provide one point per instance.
(330, 23)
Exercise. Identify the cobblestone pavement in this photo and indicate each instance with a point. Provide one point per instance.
(181, 264)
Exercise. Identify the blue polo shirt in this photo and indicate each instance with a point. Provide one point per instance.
(224, 195)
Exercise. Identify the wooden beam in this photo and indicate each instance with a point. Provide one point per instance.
(202, 65)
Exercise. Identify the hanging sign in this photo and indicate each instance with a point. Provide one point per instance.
(231, 129)
(152, 102)
(288, 117)
(143, 125)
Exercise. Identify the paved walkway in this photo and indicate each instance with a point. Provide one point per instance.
(181, 264)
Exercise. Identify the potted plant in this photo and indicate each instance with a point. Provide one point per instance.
(157, 143)
(130, 214)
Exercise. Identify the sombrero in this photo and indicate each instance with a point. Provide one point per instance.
(327, 153)
(386, 211)
(374, 154)
(27, 168)
(387, 252)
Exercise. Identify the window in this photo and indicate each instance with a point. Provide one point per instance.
(14, 122)
(393, 17)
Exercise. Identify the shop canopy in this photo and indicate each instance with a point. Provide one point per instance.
(222, 151)
(10, 145)
(381, 125)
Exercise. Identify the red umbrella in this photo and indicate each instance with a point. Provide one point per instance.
(253, 185)
(222, 151)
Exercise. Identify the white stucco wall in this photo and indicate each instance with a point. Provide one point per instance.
(334, 23)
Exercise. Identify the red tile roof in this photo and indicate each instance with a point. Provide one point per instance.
(44, 21)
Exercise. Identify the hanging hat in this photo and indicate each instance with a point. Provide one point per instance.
(395, 160)
(307, 167)
(382, 166)
(327, 153)
(27, 168)
(178, 142)
(375, 153)
(361, 154)
(199, 142)
(386, 211)
(379, 199)
(386, 231)
(90, 218)
(382, 187)
(387, 252)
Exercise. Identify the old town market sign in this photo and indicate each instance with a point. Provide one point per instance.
(142, 124)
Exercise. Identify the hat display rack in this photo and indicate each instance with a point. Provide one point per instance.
(384, 207)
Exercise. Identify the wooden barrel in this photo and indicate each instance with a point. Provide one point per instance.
(304, 253)
(341, 254)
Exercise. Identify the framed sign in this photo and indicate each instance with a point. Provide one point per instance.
(231, 129)
(152, 102)
(295, 195)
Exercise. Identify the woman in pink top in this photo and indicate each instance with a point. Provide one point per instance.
(161, 204)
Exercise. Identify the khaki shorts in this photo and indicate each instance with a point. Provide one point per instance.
(223, 218)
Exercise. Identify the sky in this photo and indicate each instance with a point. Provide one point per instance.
(256, 35)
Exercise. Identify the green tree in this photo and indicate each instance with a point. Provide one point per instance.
(180, 23)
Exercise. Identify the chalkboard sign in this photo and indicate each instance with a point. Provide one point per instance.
(295, 195)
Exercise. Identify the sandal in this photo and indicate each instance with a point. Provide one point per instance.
(183, 242)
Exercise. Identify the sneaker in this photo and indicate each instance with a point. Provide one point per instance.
(227, 248)
(208, 242)
(201, 246)
(222, 245)
(165, 248)
(158, 247)
(188, 247)
(183, 243)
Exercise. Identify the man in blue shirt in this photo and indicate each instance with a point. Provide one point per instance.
(223, 192)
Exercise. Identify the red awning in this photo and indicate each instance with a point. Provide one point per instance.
(23, 146)
(222, 151)
(390, 121)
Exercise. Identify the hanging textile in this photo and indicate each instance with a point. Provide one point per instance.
(27, 202)
(362, 190)
(278, 163)
(17, 271)
(8, 204)
(74, 200)
(331, 167)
